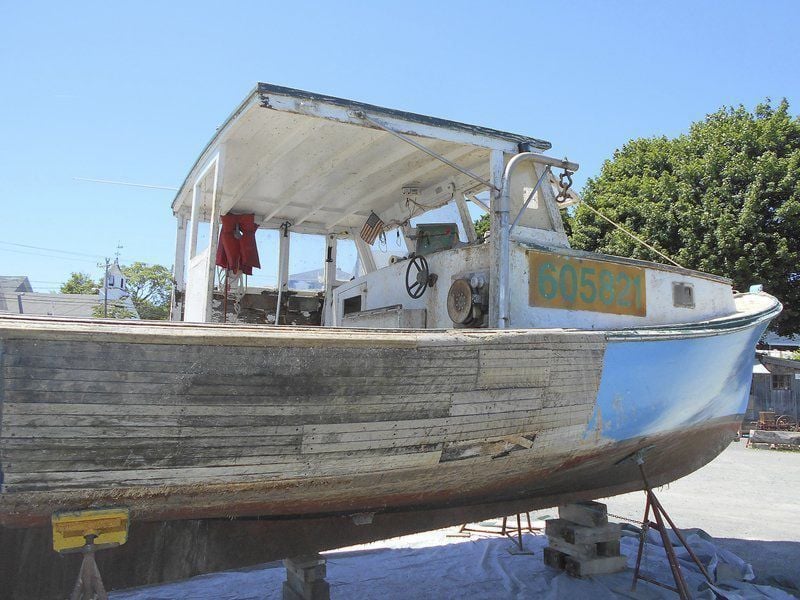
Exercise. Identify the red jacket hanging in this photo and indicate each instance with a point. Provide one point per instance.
(237, 250)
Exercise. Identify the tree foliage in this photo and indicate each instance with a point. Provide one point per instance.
(150, 287)
(115, 311)
(724, 199)
(79, 283)
(482, 225)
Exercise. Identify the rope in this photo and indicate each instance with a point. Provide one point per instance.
(633, 235)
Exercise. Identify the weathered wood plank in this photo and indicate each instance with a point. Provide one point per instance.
(328, 442)
(264, 376)
(340, 386)
(290, 468)
(155, 458)
(263, 432)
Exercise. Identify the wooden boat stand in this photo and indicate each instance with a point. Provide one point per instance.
(660, 515)
(512, 533)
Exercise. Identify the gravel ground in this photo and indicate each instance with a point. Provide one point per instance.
(748, 499)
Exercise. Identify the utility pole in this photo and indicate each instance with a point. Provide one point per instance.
(105, 289)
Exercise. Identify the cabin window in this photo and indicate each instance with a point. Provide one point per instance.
(390, 244)
(122, 282)
(347, 265)
(444, 214)
(111, 280)
(306, 262)
(781, 381)
(352, 305)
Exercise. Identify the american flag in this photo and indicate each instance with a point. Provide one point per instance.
(372, 228)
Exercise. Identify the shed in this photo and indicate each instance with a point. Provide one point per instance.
(775, 387)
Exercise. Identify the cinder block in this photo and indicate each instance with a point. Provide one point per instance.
(594, 566)
(289, 593)
(608, 548)
(313, 590)
(305, 578)
(308, 573)
(592, 535)
(589, 514)
(555, 528)
(554, 558)
(580, 551)
(579, 534)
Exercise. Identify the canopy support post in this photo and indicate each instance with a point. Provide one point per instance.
(466, 218)
(213, 230)
(179, 268)
(500, 246)
(283, 267)
(330, 279)
(365, 255)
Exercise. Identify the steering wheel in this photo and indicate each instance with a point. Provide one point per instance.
(417, 276)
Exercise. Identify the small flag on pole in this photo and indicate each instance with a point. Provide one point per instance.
(372, 228)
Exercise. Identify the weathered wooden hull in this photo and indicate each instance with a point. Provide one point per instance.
(304, 428)
(159, 551)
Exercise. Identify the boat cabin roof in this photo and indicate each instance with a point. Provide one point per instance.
(324, 163)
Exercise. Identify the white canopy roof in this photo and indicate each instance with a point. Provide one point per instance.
(324, 163)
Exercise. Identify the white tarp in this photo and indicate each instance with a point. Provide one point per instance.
(433, 565)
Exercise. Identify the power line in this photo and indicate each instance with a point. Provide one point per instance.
(141, 185)
(97, 256)
(70, 258)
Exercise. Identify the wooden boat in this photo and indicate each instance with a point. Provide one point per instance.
(462, 379)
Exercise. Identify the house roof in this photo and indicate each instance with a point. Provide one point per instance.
(775, 361)
(58, 305)
(15, 283)
(79, 306)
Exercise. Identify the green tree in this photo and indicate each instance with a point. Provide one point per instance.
(482, 225)
(723, 198)
(150, 287)
(79, 283)
(115, 311)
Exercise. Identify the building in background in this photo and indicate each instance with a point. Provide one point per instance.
(17, 297)
(775, 387)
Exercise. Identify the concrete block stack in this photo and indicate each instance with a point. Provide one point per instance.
(582, 542)
(305, 578)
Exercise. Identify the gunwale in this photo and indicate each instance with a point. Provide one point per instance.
(755, 308)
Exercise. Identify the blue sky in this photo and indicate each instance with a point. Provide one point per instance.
(132, 92)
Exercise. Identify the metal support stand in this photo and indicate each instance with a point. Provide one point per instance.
(89, 585)
(512, 533)
(661, 516)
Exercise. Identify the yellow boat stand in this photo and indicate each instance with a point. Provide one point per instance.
(88, 531)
